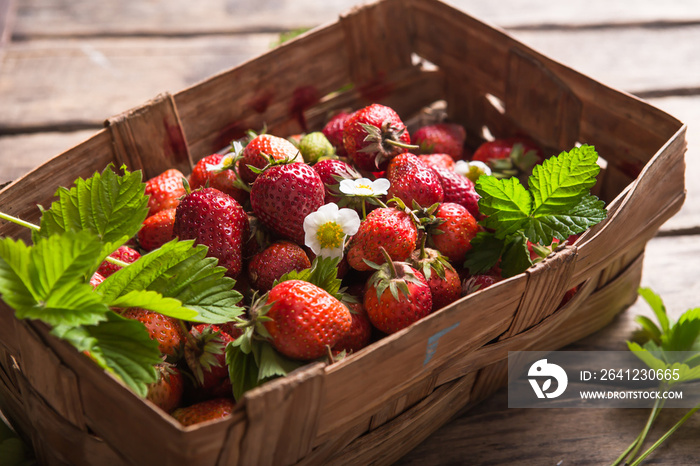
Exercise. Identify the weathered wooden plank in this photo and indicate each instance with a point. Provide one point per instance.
(39, 18)
(22, 153)
(76, 83)
(494, 434)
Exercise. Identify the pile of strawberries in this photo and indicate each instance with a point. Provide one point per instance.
(399, 260)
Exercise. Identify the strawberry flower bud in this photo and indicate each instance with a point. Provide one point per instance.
(327, 228)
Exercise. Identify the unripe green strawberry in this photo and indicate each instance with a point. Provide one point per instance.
(305, 320)
(389, 228)
(314, 146)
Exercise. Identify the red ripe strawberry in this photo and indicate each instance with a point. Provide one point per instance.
(164, 190)
(209, 410)
(453, 237)
(330, 170)
(397, 295)
(283, 195)
(478, 282)
(360, 332)
(206, 356)
(334, 132)
(374, 135)
(509, 157)
(96, 279)
(459, 189)
(446, 138)
(438, 160)
(124, 254)
(274, 261)
(305, 320)
(412, 180)
(258, 148)
(225, 181)
(216, 220)
(167, 392)
(157, 229)
(444, 281)
(389, 228)
(167, 331)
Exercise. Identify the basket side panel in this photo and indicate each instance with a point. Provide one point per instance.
(150, 138)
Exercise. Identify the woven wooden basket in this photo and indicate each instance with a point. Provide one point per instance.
(380, 402)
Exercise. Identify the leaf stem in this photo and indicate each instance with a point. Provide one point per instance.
(663, 438)
(637, 443)
(18, 221)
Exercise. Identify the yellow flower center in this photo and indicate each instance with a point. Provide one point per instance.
(330, 235)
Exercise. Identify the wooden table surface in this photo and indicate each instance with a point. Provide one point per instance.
(67, 65)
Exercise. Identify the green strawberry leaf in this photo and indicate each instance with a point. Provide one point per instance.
(154, 301)
(651, 330)
(684, 334)
(505, 202)
(109, 205)
(485, 252)
(560, 182)
(183, 272)
(242, 370)
(119, 345)
(657, 306)
(273, 364)
(322, 273)
(516, 256)
(47, 281)
(545, 225)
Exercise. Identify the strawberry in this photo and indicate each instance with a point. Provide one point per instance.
(446, 138)
(459, 189)
(164, 190)
(332, 172)
(167, 392)
(314, 146)
(444, 281)
(167, 331)
(206, 357)
(396, 296)
(157, 229)
(305, 320)
(226, 181)
(438, 160)
(96, 279)
(260, 150)
(124, 254)
(274, 261)
(412, 180)
(216, 220)
(453, 236)
(513, 156)
(360, 332)
(283, 195)
(374, 135)
(389, 228)
(333, 130)
(209, 410)
(478, 282)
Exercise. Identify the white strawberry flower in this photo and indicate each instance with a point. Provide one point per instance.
(472, 170)
(225, 163)
(328, 227)
(364, 187)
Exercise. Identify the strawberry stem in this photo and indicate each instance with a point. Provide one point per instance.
(18, 221)
(402, 145)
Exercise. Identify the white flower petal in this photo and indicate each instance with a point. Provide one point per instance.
(349, 221)
(381, 186)
(347, 186)
(462, 167)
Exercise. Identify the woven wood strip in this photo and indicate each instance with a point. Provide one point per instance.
(283, 418)
(151, 138)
